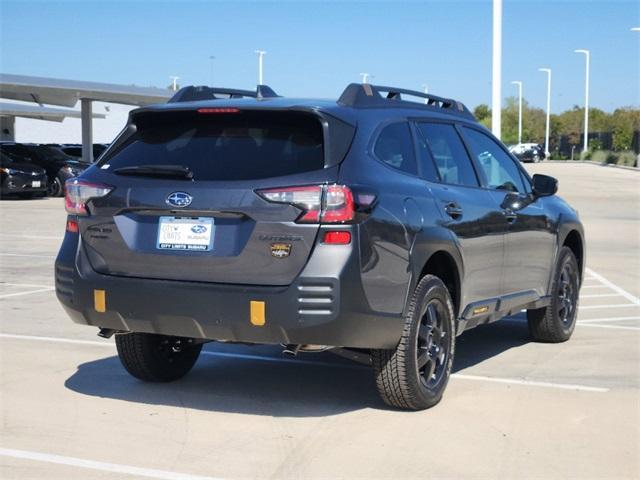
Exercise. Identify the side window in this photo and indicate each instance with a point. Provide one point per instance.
(427, 164)
(499, 169)
(394, 147)
(450, 157)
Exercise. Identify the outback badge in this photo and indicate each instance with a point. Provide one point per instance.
(280, 250)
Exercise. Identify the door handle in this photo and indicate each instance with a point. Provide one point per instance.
(453, 210)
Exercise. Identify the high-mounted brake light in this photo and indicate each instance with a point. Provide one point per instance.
(218, 110)
(79, 192)
(320, 203)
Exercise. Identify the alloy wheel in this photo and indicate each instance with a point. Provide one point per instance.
(433, 344)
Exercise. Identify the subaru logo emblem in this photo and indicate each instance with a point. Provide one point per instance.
(198, 229)
(179, 199)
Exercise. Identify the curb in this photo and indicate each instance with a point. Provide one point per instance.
(591, 162)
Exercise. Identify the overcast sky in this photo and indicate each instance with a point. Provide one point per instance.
(315, 49)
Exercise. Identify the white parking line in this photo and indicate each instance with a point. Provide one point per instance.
(101, 466)
(36, 237)
(23, 285)
(593, 286)
(612, 327)
(514, 381)
(19, 294)
(617, 305)
(531, 383)
(601, 295)
(614, 287)
(609, 319)
(26, 255)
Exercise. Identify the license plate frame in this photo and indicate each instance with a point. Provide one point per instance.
(186, 234)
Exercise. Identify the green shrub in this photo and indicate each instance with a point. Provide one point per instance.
(586, 155)
(605, 157)
(627, 158)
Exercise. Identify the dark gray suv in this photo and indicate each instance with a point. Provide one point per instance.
(373, 224)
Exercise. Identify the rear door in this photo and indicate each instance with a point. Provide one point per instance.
(215, 226)
(468, 211)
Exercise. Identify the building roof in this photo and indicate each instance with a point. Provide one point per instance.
(56, 91)
(38, 112)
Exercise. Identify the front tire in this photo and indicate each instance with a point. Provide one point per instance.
(556, 323)
(415, 374)
(156, 358)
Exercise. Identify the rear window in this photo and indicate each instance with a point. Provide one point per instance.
(227, 146)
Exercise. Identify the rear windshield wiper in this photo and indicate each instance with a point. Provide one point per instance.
(173, 171)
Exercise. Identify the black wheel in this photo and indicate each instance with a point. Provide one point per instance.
(55, 187)
(156, 358)
(555, 323)
(536, 158)
(415, 374)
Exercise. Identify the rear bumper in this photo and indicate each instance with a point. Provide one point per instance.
(325, 305)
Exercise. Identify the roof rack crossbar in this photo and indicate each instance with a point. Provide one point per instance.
(366, 95)
(202, 92)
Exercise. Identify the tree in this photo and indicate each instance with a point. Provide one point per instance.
(483, 114)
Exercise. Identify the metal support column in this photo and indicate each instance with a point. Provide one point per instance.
(86, 115)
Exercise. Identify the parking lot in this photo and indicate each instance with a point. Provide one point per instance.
(513, 408)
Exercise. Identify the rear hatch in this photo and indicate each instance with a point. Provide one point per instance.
(185, 202)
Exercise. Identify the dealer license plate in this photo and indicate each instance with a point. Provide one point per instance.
(185, 233)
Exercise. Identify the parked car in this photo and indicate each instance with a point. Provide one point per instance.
(75, 150)
(528, 152)
(371, 225)
(59, 167)
(23, 179)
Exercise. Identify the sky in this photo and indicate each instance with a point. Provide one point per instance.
(314, 49)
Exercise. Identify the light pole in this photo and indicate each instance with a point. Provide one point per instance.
(426, 90)
(546, 134)
(212, 58)
(260, 55)
(496, 83)
(519, 84)
(175, 82)
(366, 77)
(586, 100)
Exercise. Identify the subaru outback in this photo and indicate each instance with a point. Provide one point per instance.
(374, 226)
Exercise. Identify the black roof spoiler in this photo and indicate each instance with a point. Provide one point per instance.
(202, 92)
(363, 95)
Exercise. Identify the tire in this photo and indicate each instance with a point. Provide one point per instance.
(536, 159)
(156, 358)
(55, 188)
(555, 323)
(400, 379)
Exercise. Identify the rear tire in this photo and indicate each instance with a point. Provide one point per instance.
(55, 187)
(156, 358)
(555, 323)
(415, 374)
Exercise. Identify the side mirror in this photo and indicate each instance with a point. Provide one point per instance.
(544, 185)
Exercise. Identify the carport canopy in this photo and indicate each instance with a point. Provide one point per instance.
(41, 113)
(65, 93)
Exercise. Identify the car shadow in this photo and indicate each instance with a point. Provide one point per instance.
(260, 381)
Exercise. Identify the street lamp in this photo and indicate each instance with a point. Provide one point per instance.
(175, 82)
(546, 134)
(519, 84)
(212, 58)
(366, 77)
(586, 100)
(426, 90)
(260, 55)
(496, 84)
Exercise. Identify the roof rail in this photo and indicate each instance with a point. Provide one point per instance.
(202, 92)
(362, 95)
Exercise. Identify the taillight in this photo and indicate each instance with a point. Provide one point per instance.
(72, 226)
(79, 192)
(320, 203)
